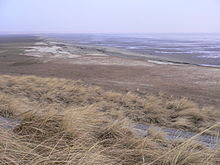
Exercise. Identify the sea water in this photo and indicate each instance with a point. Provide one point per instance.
(200, 49)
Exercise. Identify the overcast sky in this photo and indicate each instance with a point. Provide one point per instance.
(109, 16)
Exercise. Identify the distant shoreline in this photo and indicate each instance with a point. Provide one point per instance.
(123, 53)
(201, 50)
(111, 51)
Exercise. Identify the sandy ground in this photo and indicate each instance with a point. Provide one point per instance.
(107, 68)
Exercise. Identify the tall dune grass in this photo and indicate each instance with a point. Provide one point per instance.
(66, 122)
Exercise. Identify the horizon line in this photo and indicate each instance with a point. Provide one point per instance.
(41, 33)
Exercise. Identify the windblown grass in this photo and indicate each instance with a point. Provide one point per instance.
(65, 122)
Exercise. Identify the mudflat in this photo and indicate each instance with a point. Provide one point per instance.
(112, 69)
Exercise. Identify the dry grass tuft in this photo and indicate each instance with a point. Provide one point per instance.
(65, 122)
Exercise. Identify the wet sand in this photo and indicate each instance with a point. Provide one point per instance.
(107, 68)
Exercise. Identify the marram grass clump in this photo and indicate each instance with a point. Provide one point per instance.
(65, 122)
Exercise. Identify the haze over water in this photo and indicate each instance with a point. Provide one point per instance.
(201, 49)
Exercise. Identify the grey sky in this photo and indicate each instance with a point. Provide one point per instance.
(109, 16)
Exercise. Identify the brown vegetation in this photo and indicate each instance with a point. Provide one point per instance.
(67, 122)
